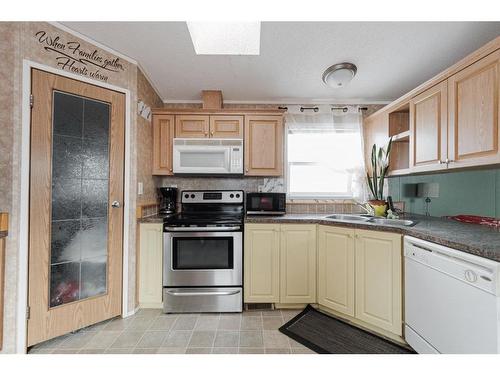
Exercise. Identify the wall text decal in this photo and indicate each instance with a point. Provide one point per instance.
(71, 56)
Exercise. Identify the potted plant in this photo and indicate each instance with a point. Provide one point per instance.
(380, 167)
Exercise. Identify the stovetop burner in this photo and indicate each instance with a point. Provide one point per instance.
(209, 208)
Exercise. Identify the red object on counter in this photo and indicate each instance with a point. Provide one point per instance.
(473, 219)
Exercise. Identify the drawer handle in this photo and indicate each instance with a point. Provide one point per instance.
(227, 293)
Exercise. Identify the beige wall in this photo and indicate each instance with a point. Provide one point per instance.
(147, 94)
(19, 41)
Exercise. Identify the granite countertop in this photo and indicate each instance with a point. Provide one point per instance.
(470, 238)
(155, 219)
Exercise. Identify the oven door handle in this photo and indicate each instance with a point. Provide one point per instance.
(212, 293)
(202, 229)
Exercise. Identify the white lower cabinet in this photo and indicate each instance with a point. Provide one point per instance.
(355, 273)
(280, 263)
(336, 268)
(378, 280)
(151, 265)
(298, 263)
(261, 263)
(359, 276)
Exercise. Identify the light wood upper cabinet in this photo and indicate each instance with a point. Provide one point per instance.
(150, 266)
(163, 136)
(261, 263)
(192, 126)
(428, 127)
(226, 126)
(298, 263)
(473, 112)
(453, 118)
(378, 280)
(336, 268)
(263, 145)
(376, 131)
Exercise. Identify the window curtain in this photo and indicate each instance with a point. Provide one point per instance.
(330, 120)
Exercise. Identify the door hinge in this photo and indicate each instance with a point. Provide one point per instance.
(28, 311)
(31, 100)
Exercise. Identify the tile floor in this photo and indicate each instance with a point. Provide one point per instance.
(150, 331)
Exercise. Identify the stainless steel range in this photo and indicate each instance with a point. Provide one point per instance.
(203, 253)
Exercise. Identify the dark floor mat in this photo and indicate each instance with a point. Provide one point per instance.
(327, 335)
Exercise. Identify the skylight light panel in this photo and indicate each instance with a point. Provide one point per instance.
(225, 38)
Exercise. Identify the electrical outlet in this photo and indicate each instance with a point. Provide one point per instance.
(140, 188)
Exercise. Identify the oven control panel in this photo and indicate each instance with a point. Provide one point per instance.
(216, 196)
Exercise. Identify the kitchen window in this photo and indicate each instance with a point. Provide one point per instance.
(324, 154)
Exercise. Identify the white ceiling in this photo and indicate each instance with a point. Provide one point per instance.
(392, 58)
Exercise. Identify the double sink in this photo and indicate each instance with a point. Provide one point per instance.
(362, 218)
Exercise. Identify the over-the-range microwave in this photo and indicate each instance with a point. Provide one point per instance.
(208, 156)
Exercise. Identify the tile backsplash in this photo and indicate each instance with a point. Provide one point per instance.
(474, 192)
(224, 183)
(252, 184)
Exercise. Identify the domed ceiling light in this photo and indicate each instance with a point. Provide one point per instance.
(339, 75)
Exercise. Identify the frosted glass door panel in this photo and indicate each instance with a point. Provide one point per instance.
(80, 184)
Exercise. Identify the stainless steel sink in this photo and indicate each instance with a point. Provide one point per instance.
(383, 221)
(349, 217)
(370, 219)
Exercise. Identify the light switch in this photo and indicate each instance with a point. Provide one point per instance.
(140, 188)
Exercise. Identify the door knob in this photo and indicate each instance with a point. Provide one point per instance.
(115, 204)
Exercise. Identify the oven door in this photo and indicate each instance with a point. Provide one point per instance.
(202, 259)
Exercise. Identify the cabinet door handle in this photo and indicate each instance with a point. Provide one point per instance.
(211, 133)
(440, 162)
(206, 133)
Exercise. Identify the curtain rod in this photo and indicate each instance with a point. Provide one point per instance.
(316, 109)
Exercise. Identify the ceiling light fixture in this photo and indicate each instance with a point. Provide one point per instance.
(225, 38)
(339, 75)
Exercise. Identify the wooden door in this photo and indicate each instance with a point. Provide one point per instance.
(474, 112)
(163, 138)
(263, 145)
(76, 236)
(261, 266)
(226, 127)
(151, 266)
(2, 286)
(298, 263)
(378, 280)
(336, 269)
(192, 126)
(429, 129)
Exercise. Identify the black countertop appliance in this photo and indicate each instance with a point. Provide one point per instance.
(168, 200)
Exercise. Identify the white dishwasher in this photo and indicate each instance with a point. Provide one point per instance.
(452, 302)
